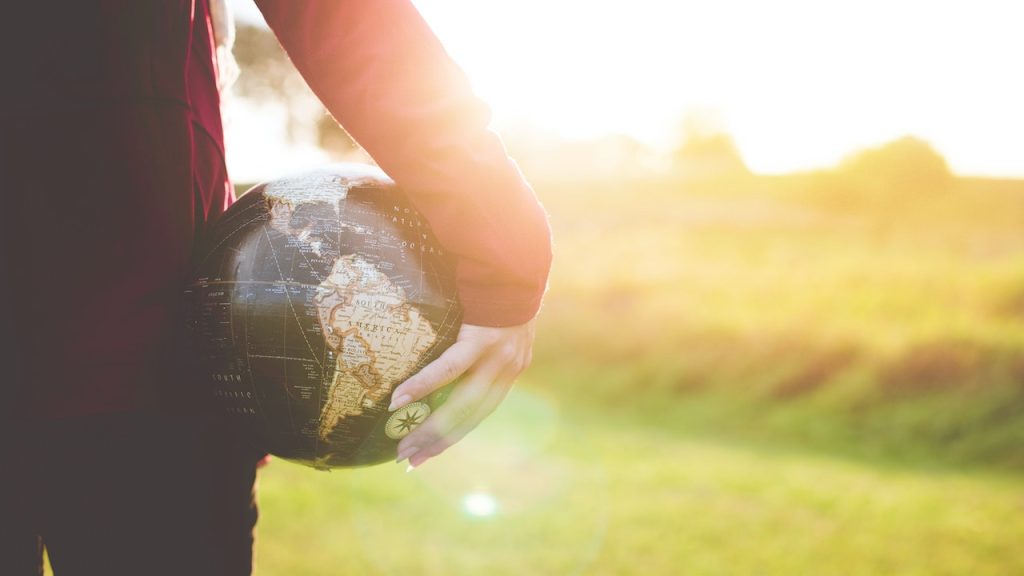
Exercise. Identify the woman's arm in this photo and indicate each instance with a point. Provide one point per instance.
(385, 77)
(382, 73)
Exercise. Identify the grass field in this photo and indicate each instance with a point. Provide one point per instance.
(590, 495)
(787, 375)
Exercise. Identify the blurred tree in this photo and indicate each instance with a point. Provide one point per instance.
(890, 179)
(906, 165)
(707, 150)
(268, 77)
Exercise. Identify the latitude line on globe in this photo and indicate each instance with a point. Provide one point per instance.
(248, 364)
(319, 280)
(284, 332)
(276, 357)
(258, 282)
(288, 296)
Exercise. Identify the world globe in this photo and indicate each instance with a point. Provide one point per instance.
(313, 297)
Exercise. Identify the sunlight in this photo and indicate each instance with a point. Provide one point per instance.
(800, 83)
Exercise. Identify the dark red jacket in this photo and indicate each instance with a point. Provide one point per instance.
(110, 130)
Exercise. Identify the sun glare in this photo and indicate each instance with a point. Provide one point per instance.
(799, 83)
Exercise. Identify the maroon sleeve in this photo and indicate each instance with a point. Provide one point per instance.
(386, 78)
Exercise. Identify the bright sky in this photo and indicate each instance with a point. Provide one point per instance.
(799, 83)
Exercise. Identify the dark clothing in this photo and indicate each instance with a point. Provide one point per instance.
(105, 123)
(157, 490)
(126, 494)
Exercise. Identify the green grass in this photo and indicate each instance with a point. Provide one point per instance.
(889, 329)
(579, 492)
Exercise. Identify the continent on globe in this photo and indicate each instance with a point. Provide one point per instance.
(377, 335)
(312, 298)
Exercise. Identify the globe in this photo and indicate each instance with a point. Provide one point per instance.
(313, 297)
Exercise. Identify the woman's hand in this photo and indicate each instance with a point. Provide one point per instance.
(487, 361)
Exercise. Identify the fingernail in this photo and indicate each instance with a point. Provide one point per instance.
(409, 468)
(407, 453)
(399, 402)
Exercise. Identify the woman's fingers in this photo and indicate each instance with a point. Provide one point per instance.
(494, 396)
(460, 405)
(488, 359)
(451, 364)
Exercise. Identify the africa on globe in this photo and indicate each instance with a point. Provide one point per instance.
(312, 298)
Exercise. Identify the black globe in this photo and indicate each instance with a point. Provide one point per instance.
(313, 297)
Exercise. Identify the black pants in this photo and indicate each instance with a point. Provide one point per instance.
(140, 494)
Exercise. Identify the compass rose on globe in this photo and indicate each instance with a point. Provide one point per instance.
(406, 419)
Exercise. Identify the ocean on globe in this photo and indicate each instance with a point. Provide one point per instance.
(312, 298)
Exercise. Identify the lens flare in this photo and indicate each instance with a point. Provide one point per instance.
(479, 504)
(494, 499)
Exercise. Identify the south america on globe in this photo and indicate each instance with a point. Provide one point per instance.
(312, 298)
